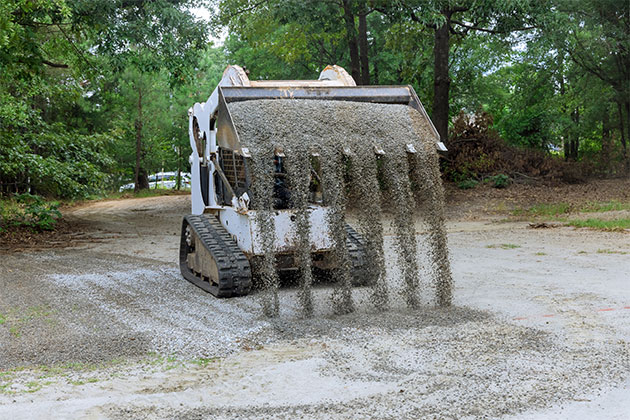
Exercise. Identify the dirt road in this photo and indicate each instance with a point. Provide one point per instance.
(540, 328)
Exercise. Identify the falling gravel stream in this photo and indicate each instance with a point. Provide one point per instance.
(363, 150)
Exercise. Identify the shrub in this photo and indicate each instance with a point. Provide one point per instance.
(467, 184)
(31, 211)
(500, 181)
(475, 150)
(54, 163)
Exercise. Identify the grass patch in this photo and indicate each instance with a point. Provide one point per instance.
(15, 331)
(27, 210)
(608, 225)
(504, 246)
(544, 210)
(30, 379)
(556, 210)
(540, 253)
(33, 386)
(203, 362)
(467, 184)
(611, 251)
(77, 382)
(75, 373)
(16, 318)
(604, 206)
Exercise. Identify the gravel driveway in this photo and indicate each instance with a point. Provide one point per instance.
(540, 328)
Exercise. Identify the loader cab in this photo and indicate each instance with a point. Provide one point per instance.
(281, 191)
(281, 188)
(235, 169)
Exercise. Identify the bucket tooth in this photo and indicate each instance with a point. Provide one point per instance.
(411, 148)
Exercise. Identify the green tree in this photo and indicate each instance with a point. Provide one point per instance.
(460, 18)
(44, 147)
(67, 68)
(144, 41)
(198, 88)
(283, 39)
(595, 34)
(267, 35)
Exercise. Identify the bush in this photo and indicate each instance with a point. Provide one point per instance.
(500, 181)
(31, 211)
(477, 151)
(54, 163)
(467, 184)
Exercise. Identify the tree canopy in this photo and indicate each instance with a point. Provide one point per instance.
(94, 93)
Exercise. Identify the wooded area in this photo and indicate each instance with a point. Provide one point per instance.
(94, 93)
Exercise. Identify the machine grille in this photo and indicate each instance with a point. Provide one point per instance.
(233, 166)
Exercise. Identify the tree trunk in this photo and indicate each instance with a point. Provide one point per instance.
(351, 35)
(441, 79)
(179, 168)
(566, 137)
(140, 178)
(575, 135)
(606, 143)
(626, 156)
(143, 179)
(624, 139)
(364, 47)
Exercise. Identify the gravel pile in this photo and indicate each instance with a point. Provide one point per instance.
(92, 307)
(106, 307)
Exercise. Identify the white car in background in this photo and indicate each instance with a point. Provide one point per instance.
(162, 180)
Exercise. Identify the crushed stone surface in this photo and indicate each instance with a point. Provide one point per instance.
(457, 362)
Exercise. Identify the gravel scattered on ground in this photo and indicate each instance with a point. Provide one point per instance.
(536, 326)
(438, 363)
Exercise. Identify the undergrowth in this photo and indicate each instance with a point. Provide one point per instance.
(28, 210)
(477, 151)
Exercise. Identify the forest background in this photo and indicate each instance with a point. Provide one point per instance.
(95, 93)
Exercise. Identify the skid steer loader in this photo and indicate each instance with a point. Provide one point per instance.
(220, 240)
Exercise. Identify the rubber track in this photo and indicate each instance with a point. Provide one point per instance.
(235, 275)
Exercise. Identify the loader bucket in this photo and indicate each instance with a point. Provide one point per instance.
(227, 136)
